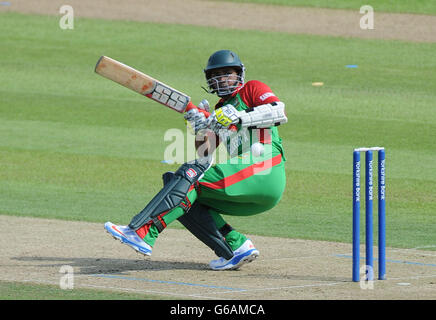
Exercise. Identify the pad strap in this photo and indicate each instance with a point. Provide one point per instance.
(224, 230)
(159, 223)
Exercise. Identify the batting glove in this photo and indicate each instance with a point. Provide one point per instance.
(223, 118)
(195, 120)
(204, 104)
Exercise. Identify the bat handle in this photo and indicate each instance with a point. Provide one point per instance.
(190, 106)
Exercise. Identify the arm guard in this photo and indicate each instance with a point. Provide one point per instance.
(264, 116)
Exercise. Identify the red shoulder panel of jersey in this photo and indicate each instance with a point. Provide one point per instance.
(255, 93)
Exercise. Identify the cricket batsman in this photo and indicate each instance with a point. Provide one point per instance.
(200, 193)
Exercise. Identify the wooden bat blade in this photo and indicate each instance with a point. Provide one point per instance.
(125, 75)
(142, 83)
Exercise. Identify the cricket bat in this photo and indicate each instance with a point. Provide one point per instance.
(144, 84)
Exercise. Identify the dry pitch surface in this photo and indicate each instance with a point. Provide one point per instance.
(287, 268)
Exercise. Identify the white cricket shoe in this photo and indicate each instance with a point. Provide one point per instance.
(128, 236)
(244, 254)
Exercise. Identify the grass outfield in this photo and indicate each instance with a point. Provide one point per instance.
(76, 146)
(395, 6)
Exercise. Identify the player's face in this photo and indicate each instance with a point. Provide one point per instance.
(224, 81)
(225, 74)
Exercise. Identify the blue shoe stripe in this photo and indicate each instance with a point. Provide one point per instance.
(235, 260)
(127, 241)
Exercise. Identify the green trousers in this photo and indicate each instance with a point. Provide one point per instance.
(243, 186)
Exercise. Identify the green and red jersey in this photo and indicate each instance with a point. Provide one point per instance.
(252, 94)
